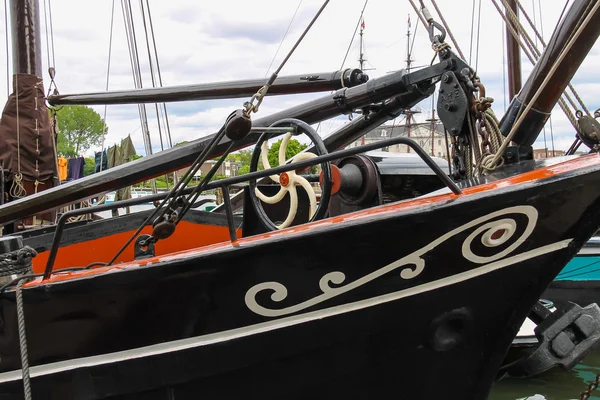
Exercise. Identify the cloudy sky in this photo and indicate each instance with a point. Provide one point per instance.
(200, 41)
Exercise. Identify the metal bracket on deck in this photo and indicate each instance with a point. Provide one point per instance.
(565, 339)
(143, 247)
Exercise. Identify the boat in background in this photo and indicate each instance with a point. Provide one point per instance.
(579, 281)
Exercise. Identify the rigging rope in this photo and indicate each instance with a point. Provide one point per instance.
(348, 52)
(448, 29)
(137, 75)
(534, 26)
(250, 106)
(7, 48)
(472, 29)
(112, 18)
(164, 113)
(421, 18)
(513, 29)
(504, 65)
(50, 46)
(23, 341)
(478, 30)
(354, 34)
(540, 37)
(492, 162)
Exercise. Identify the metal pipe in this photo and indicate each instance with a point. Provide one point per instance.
(343, 100)
(26, 37)
(545, 102)
(305, 83)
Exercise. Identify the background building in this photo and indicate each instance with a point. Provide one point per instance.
(432, 141)
(546, 153)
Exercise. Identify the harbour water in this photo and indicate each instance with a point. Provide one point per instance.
(553, 385)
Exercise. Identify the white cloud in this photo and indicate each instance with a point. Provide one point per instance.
(231, 39)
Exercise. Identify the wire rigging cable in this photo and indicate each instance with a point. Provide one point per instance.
(460, 53)
(478, 31)
(542, 39)
(472, 30)
(250, 106)
(283, 38)
(517, 30)
(360, 18)
(160, 82)
(552, 71)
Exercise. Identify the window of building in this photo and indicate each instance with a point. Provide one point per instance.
(439, 142)
(383, 133)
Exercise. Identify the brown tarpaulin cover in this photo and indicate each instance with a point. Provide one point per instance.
(35, 140)
(33, 135)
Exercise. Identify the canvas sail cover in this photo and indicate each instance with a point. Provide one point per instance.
(25, 139)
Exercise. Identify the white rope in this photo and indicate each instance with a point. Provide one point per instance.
(492, 162)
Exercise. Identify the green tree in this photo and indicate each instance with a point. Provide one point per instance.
(294, 147)
(90, 166)
(244, 157)
(80, 128)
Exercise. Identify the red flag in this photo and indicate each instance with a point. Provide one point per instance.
(362, 26)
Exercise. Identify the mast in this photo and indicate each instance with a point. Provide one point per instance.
(26, 39)
(408, 59)
(513, 54)
(361, 60)
(27, 150)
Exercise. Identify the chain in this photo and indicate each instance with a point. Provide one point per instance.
(252, 107)
(592, 386)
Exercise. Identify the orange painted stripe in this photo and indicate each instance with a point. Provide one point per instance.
(543, 173)
(188, 235)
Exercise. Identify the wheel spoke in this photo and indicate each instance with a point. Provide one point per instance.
(271, 199)
(283, 147)
(264, 152)
(301, 157)
(293, 207)
(310, 191)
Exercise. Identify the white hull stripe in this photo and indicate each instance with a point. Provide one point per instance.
(224, 336)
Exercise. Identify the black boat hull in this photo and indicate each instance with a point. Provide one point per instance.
(332, 309)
